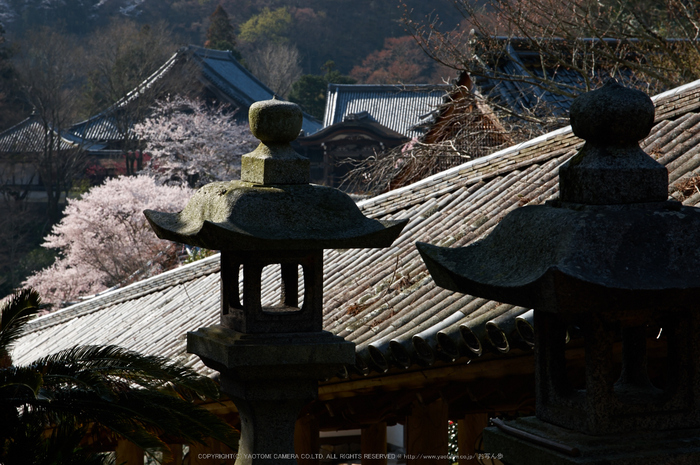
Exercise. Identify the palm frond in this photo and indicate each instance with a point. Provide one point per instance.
(30, 444)
(108, 368)
(18, 310)
(142, 416)
(18, 383)
(64, 446)
(141, 398)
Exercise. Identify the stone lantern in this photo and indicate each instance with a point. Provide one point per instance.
(272, 357)
(613, 257)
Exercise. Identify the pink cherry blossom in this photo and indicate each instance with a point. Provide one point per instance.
(104, 239)
(193, 144)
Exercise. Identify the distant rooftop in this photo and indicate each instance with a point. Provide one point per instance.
(517, 58)
(29, 136)
(220, 72)
(400, 108)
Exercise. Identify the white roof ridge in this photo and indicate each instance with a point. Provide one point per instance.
(117, 294)
(512, 150)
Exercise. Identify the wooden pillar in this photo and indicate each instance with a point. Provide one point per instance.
(426, 434)
(176, 450)
(373, 444)
(128, 453)
(307, 443)
(468, 435)
(211, 453)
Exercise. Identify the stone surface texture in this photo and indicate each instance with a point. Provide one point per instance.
(612, 258)
(237, 215)
(611, 168)
(601, 257)
(678, 447)
(270, 378)
(272, 357)
(249, 315)
(275, 124)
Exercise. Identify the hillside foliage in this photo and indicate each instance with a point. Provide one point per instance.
(345, 31)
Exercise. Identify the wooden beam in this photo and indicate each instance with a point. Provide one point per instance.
(373, 444)
(128, 453)
(426, 434)
(489, 368)
(307, 444)
(469, 435)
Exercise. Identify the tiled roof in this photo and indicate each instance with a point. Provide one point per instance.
(29, 136)
(398, 107)
(228, 75)
(218, 69)
(384, 300)
(222, 70)
(101, 127)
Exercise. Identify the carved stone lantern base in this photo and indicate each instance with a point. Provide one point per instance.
(270, 378)
(554, 445)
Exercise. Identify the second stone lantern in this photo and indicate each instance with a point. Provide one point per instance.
(615, 259)
(272, 357)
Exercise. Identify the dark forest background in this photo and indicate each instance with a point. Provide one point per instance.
(343, 31)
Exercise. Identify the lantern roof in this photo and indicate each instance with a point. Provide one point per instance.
(273, 206)
(610, 242)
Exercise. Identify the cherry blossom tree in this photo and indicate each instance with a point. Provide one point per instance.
(191, 144)
(104, 239)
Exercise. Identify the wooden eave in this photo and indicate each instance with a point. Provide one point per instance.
(371, 129)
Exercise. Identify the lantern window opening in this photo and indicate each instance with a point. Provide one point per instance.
(283, 288)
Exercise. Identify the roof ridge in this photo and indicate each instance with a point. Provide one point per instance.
(197, 51)
(206, 53)
(676, 91)
(659, 101)
(675, 102)
(135, 290)
(209, 52)
(28, 135)
(389, 86)
(110, 110)
(511, 151)
(28, 120)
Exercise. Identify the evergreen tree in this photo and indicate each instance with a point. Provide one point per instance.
(13, 107)
(310, 90)
(220, 35)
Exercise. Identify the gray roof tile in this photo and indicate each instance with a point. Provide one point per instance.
(382, 299)
(29, 136)
(397, 107)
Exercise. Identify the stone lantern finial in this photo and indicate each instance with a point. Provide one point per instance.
(613, 258)
(273, 216)
(611, 168)
(275, 123)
